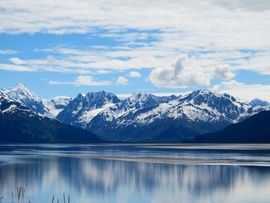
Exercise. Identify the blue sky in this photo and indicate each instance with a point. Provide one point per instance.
(59, 48)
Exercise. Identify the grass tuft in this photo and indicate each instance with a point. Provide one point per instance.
(20, 197)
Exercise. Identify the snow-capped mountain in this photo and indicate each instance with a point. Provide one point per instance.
(56, 105)
(83, 108)
(133, 103)
(210, 106)
(26, 97)
(259, 102)
(144, 117)
(140, 117)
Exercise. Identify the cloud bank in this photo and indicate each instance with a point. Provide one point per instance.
(181, 43)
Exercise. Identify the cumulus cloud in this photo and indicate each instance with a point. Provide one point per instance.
(134, 74)
(82, 80)
(186, 72)
(244, 91)
(223, 72)
(121, 80)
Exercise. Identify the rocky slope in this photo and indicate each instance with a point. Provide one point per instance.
(18, 124)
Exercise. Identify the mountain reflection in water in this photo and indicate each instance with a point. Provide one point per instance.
(46, 171)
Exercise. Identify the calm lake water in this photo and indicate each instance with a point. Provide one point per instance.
(137, 173)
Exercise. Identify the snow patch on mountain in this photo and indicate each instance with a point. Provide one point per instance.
(56, 105)
(10, 108)
(87, 116)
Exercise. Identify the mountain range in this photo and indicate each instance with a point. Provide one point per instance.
(142, 117)
(145, 117)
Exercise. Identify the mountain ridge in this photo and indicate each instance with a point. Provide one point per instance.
(82, 108)
(184, 117)
(145, 117)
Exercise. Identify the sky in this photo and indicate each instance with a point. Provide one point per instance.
(160, 46)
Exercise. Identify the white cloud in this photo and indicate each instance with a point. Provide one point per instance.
(16, 61)
(90, 81)
(134, 74)
(244, 91)
(7, 52)
(223, 72)
(259, 62)
(17, 68)
(160, 94)
(221, 29)
(82, 16)
(245, 4)
(189, 71)
(82, 80)
(121, 80)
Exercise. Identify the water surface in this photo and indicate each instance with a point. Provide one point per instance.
(137, 173)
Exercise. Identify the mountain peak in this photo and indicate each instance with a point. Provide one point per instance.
(258, 102)
(198, 93)
(139, 95)
(21, 93)
(205, 92)
(213, 93)
(210, 93)
(20, 85)
(26, 97)
(140, 100)
(80, 95)
(100, 93)
(101, 96)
